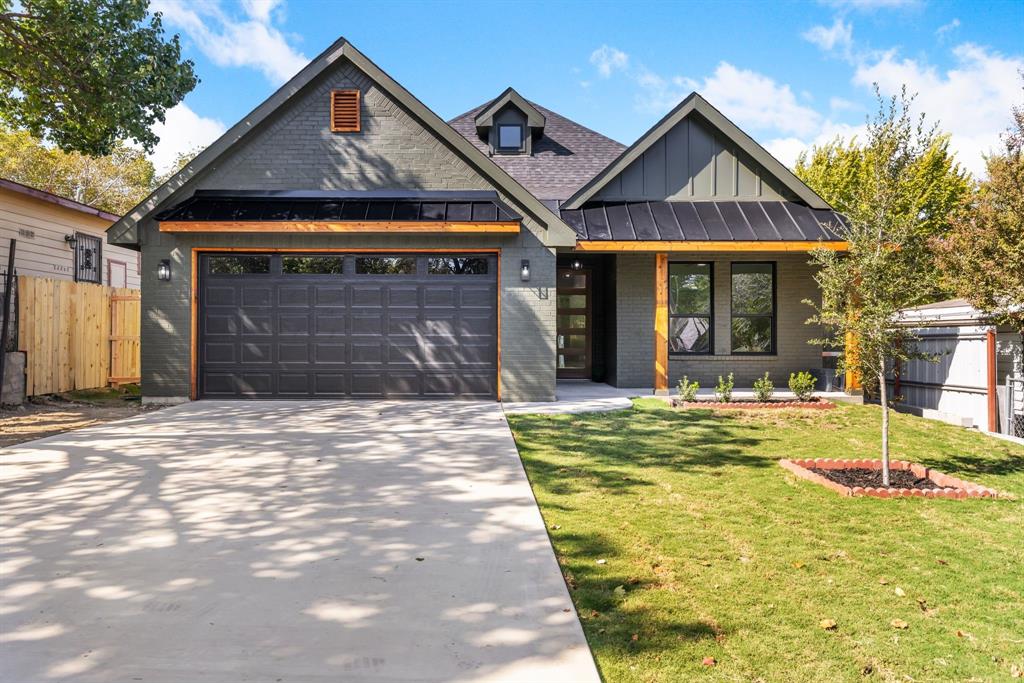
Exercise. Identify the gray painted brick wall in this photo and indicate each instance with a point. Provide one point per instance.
(295, 149)
(634, 320)
(635, 306)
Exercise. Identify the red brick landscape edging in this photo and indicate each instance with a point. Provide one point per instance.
(754, 405)
(951, 486)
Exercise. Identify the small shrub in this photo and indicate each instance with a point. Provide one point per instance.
(763, 388)
(802, 384)
(723, 392)
(687, 389)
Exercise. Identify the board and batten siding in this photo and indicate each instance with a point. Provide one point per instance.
(693, 162)
(39, 227)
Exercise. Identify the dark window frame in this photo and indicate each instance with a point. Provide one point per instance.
(339, 257)
(710, 315)
(97, 267)
(773, 316)
(81, 238)
(209, 262)
(358, 259)
(510, 150)
(449, 273)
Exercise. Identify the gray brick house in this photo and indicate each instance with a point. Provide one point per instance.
(344, 241)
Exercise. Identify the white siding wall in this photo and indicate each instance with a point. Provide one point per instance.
(40, 226)
(957, 383)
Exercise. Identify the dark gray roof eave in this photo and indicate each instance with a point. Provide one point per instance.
(694, 102)
(558, 234)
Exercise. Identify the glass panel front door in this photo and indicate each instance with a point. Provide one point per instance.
(573, 323)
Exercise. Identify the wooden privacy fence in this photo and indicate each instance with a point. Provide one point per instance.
(77, 335)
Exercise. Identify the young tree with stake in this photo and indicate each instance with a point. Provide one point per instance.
(888, 266)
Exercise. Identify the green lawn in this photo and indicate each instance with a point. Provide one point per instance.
(713, 550)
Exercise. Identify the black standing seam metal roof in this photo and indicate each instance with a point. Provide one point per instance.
(341, 206)
(738, 221)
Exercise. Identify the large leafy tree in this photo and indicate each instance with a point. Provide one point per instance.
(933, 186)
(982, 257)
(889, 263)
(115, 182)
(86, 74)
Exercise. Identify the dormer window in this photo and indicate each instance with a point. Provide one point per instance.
(510, 124)
(510, 138)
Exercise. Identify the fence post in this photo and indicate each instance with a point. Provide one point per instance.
(993, 402)
(8, 285)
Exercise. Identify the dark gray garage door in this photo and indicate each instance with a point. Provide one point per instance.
(353, 325)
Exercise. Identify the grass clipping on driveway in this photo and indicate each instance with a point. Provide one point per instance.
(681, 539)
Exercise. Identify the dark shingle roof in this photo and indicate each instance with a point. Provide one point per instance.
(563, 160)
(702, 221)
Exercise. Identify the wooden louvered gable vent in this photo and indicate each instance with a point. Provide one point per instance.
(344, 111)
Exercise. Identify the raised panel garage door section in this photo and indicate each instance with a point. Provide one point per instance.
(318, 325)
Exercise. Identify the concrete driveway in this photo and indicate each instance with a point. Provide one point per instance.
(282, 541)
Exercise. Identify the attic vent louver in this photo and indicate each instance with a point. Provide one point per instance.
(345, 111)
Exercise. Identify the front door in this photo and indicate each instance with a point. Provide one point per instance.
(574, 323)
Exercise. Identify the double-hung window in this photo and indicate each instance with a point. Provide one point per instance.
(753, 308)
(690, 295)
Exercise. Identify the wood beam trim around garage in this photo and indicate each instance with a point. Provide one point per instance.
(679, 245)
(506, 227)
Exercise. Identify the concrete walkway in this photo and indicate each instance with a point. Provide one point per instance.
(281, 541)
(581, 396)
(584, 396)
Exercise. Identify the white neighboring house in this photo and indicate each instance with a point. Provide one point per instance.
(61, 238)
(967, 386)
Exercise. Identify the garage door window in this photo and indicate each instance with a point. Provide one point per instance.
(457, 266)
(239, 265)
(385, 265)
(312, 265)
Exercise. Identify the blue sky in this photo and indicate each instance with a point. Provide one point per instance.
(790, 74)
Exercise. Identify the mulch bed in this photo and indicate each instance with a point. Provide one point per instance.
(749, 404)
(864, 478)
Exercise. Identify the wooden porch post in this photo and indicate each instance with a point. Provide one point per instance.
(852, 380)
(661, 323)
(990, 343)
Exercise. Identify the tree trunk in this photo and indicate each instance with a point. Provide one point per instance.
(883, 395)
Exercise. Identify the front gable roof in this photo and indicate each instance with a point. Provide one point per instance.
(125, 230)
(534, 118)
(695, 103)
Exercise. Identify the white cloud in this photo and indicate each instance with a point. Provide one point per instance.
(787, 149)
(182, 131)
(871, 5)
(971, 101)
(755, 101)
(837, 104)
(838, 36)
(260, 10)
(252, 41)
(946, 28)
(609, 59)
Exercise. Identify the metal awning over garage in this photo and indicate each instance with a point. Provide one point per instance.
(471, 211)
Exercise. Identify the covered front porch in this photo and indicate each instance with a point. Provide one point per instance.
(641, 318)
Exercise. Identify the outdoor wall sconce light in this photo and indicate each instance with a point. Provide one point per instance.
(524, 270)
(163, 271)
(577, 264)
(71, 240)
